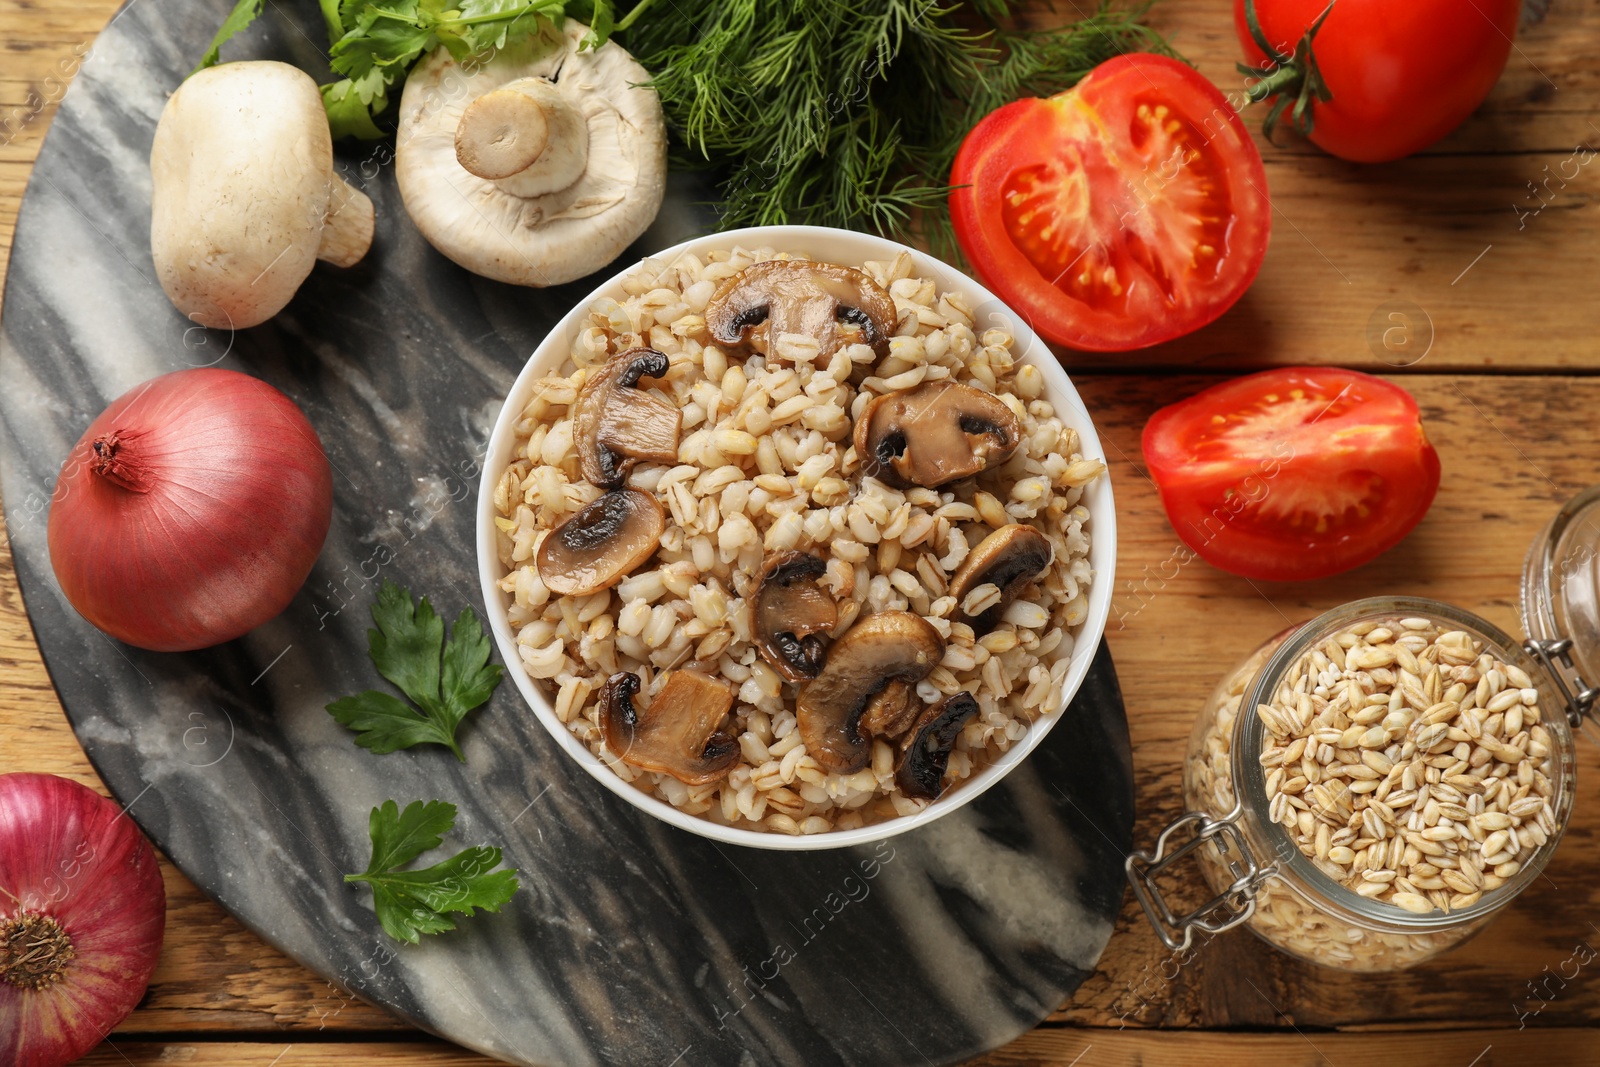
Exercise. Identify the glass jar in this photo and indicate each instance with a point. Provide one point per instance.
(1360, 875)
(1561, 603)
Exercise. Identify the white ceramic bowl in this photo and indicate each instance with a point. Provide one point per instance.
(837, 246)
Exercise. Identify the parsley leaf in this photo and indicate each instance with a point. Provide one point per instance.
(348, 114)
(412, 903)
(374, 44)
(243, 14)
(405, 647)
(445, 679)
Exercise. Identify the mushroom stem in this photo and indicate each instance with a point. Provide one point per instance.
(347, 228)
(525, 137)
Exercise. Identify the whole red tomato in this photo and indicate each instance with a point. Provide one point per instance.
(1399, 74)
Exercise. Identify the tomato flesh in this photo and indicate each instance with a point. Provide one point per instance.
(1402, 75)
(1293, 474)
(1126, 211)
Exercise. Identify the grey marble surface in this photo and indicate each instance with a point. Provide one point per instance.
(631, 942)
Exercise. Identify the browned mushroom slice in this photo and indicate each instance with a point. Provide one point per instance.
(891, 712)
(598, 546)
(792, 613)
(796, 296)
(681, 733)
(891, 646)
(925, 753)
(934, 433)
(1008, 559)
(614, 422)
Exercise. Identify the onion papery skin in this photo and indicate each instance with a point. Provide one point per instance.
(200, 516)
(70, 854)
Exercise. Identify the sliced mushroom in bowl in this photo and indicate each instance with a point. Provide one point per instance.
(824, 301)
(681, 733)
(934, 434)
(792, 614)
(599, 545)
(796, 614)
(616, 421)
(883, 649)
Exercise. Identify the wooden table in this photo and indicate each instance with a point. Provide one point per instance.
(1501, 301)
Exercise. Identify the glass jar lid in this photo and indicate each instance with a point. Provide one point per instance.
(1561, 600)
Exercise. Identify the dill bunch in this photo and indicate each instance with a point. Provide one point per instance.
(849, 113)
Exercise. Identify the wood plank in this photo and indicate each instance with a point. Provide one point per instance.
(1091, 1048)
(1353, 245)
(1129, 1048)
(1549, 87)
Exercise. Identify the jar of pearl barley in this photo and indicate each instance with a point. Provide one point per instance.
(1368, 789)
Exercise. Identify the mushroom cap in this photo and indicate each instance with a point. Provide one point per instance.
(925, 752)
(879, 649)
(798, 296)
(616, 422)
(679, 734)
(240, 169)
(1009, 558)
(552, 238)
(600, 544)
(791, 611)
(933, 434)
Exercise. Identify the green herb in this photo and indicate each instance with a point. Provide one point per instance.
(831, 112)
(412, 903)
(381, 41)
(849, 112)
(243, 14)
(374, 43)
(446, 679)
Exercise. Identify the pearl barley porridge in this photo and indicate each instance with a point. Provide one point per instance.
(790, 546)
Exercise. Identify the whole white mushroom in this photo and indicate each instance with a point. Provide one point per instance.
(244, 198)
(536, 166)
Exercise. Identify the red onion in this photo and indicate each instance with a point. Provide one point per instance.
(82, 915)
(190, 511)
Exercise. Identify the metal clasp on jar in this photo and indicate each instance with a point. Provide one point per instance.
(1235, 905)
(1556, 658)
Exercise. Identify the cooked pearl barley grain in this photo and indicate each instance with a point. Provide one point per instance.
(765, 463)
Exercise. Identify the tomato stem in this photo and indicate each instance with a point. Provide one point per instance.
(114, 462)
(35, 951)
(1294, 79)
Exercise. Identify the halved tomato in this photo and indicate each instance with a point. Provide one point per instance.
(1294, 473)
(1128, 210)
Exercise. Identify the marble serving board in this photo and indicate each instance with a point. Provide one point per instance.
(631, 942)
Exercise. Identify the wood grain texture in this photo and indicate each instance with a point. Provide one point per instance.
(1354, 244)
(1509, 364)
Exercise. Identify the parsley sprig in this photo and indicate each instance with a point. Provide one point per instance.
(412, 903)
(373, 44)
(446, 679)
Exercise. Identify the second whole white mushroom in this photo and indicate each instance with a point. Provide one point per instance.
(244, 195)
(536, 166)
